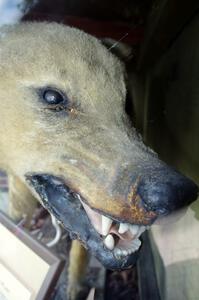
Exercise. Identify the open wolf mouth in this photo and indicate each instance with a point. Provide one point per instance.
(114, 243)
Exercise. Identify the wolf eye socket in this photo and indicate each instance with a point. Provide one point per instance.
(53, 97)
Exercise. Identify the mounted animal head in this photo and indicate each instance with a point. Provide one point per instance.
(65, 133)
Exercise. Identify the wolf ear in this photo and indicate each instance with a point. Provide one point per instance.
(121, 50)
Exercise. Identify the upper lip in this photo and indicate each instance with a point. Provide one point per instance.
(66, 206)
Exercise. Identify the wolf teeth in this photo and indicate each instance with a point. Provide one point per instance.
(106, 225)
(124, 252)
(111, 237)
(134, 229)
(123, 228)
(109, 242)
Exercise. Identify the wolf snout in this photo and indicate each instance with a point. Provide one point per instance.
(163, 190)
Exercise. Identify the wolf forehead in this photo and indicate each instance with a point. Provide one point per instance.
(59, 51)
(36, 56)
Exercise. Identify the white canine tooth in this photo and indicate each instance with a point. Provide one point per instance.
(109, 242)
(106, 225)
(123, 228)
(134, 229)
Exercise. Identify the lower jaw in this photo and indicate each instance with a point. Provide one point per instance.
(60, 202)
(92, 241)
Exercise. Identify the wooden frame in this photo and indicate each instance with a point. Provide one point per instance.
(19, 254)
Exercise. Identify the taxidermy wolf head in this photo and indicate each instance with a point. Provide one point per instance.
(66, 135)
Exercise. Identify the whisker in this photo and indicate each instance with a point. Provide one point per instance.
(117, 42)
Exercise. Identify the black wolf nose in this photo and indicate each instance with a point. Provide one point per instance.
(164, 190)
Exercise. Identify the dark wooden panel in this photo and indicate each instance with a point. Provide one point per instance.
(148, 287)
(164, 25)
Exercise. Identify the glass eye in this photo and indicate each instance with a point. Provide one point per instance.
(53, 97)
